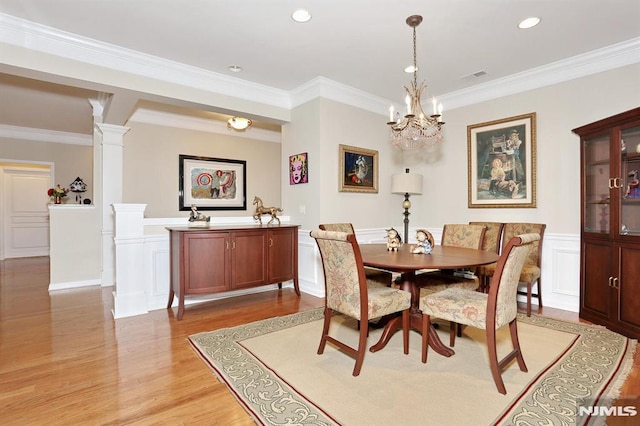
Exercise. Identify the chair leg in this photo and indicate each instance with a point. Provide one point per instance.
(426, 323)
(539, 294)
(362, 347)
(325, 330)
(513, 330)
(405, 330)
(453, 327)
(493, 360)
(529, 285)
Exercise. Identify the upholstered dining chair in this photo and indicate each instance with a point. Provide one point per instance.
(456, 235)
(486, 311)
(492, 238)
(531, 272)
(347, 292)
(373, 274)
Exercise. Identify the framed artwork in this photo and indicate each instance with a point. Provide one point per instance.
(358, 169)
(501, 158)
(298, 169)
(212, 183)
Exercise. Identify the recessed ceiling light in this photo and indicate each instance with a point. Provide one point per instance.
(235, 68)
(529, 22)
(301, 15)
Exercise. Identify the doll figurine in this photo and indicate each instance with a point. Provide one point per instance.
(425, 242)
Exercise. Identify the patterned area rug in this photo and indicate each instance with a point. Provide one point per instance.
(273, 370)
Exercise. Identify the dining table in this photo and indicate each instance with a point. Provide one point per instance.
(407, 264)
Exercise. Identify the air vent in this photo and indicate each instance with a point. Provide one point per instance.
(474, 75)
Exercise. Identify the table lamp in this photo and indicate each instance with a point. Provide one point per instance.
(406, 183)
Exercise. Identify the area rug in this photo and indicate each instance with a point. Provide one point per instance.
(273, 370)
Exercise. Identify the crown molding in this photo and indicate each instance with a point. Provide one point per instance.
(30, 35)
(43, 135)
(161, 118)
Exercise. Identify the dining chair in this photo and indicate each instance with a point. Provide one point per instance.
(492, 238)
(531, 272)
(486, 311)
(347, 292)
(456, 235)
(373, 274)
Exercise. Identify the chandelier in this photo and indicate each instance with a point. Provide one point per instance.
(415, 130)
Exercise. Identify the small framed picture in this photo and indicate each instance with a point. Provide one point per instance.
(298, 169)
(212, 183)
(501, 159)
(358, 169)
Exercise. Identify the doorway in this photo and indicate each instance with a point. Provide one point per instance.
(24, 212)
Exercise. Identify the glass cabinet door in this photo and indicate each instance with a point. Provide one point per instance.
(597, 197)
(629, 181)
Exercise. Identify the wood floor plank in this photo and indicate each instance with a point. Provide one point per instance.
(64, 360)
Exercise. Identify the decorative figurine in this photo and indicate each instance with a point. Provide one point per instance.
(393, 240)
(197, 219)
(260, 210)
(425, 242)
(633, 187)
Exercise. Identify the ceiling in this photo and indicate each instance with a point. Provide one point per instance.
(362, 44)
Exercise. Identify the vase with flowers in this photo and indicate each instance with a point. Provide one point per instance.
(57, 193)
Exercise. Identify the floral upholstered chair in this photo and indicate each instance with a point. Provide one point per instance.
(492, 239)
(374, 276)
(347, 292)
(486, 311)
(531, 272)
(456, 235)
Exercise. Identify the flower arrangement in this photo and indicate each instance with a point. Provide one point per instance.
(57, 192)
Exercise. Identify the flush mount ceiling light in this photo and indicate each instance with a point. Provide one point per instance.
(416, 129)
(301, 16)
(529, 22)
(238, 123)
(235, 68)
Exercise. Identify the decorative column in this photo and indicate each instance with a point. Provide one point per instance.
(107, 151)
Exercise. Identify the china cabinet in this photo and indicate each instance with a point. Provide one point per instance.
(610, 222)
(217, 259)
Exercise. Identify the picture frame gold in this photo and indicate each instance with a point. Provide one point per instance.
(501, 156)
(358, 169)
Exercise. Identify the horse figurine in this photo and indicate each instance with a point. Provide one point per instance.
(393, 240)
(260, 210)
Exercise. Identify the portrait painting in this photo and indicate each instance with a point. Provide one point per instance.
(298, 169)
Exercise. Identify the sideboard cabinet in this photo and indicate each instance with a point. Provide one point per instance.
(610, 222)
(217, 259)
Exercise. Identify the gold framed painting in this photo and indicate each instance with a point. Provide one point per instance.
(358, 169)
(501, 157)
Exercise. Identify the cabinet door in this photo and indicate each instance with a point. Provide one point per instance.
(248, 259)
(596, 184)
(206, 258)
(628, 286)
(595, 295)
(630, 183)
(282, 259)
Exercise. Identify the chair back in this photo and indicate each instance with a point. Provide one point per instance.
(492, 235)
(463, 235)
(514, 229)
(502, 305)
(338, 227)
(344, 276)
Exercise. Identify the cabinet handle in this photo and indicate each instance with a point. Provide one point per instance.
(610, 281)
(227, 245)
(617, 183)
(270, 242)
(615, 283)
(233, 245)
(611, 183)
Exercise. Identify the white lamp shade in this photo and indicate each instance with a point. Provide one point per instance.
(406, 183)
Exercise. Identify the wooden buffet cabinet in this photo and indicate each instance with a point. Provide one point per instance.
(217, 259)
(610, 223)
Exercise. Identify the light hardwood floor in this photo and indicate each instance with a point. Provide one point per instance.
(65, 361)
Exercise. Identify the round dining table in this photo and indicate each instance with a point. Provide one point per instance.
(407, 264)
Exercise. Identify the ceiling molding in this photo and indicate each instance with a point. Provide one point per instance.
(161, 118)
(43, 135)
(45, 39)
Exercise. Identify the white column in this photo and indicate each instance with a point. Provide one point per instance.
(129, 296)
(108, 145)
